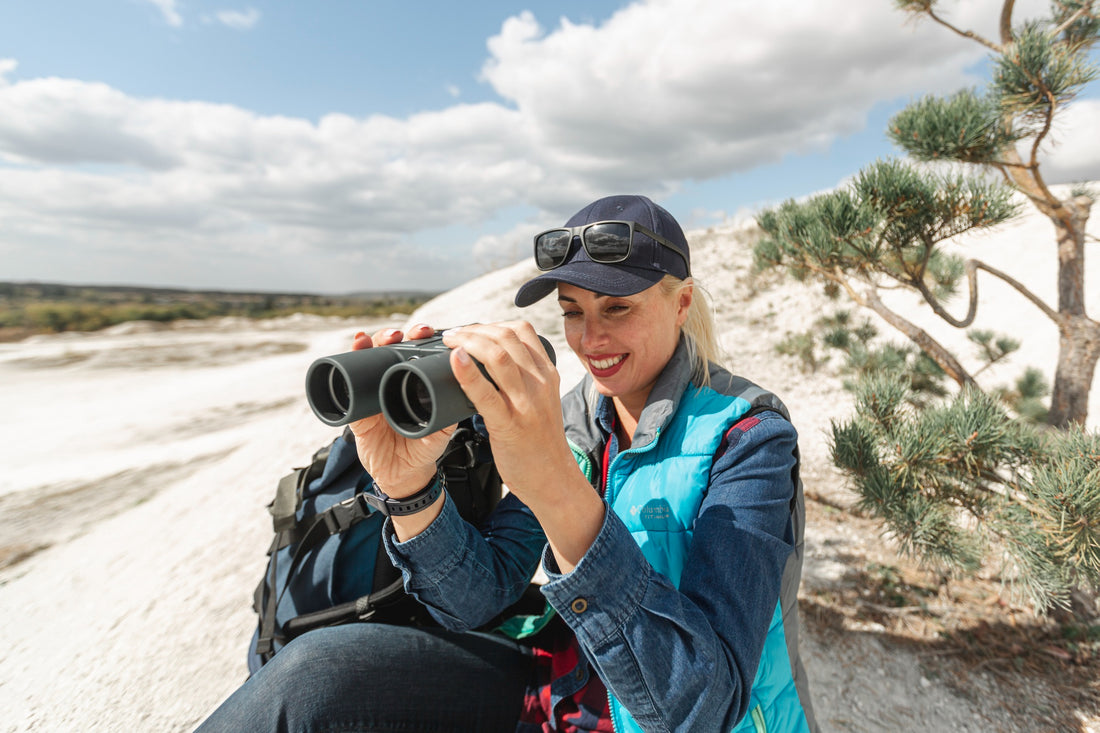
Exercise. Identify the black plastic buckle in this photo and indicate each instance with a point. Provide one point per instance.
(345, 515)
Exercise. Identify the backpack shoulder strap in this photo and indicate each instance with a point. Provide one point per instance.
(290, 490)
(472, 481)
(472, 477)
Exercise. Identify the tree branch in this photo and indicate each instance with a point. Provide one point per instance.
(1010, 164)
(1006, 21)
(921, 338)
(968, 34)
(1026, 179)
(990, 363)
(972, 267)
(939, 310)
(1048, 120)
(1084, 10)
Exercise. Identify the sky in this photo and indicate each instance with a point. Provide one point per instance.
(345, 146)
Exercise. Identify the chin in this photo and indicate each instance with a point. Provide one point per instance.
(602, 388)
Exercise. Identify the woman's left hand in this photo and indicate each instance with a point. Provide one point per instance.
(523, 416)
(523, 411)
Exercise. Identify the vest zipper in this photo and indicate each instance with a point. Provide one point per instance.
(609, 499)
(609, 496)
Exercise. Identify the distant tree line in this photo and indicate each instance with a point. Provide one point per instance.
(29, 308)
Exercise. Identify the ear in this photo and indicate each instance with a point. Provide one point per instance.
(684, 298)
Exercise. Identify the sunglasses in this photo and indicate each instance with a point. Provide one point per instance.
(607, 242)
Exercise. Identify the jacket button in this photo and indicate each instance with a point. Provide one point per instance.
(579, 605)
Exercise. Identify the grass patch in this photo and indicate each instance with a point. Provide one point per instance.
(33, 308)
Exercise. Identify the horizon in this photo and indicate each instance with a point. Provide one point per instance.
(228, 291)
(346, 148)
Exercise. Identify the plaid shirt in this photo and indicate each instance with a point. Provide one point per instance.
(564, 695)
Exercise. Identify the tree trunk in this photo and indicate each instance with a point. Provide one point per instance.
(1079, 336)
(1078, 353)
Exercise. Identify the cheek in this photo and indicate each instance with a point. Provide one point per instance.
(573, 334)
(661, 341)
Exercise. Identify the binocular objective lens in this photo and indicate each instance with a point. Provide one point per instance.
(416, 398)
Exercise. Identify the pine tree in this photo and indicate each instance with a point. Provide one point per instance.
(955, 483)
(958, 480)
(888, 227)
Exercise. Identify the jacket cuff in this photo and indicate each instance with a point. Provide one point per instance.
(605, 589)
(433, 553)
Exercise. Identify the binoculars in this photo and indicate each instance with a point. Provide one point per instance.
(410, 383)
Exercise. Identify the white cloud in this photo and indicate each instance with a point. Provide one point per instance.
(697, 89)
(660, 93)
(1073, 152)
(168, 8)
(6, 67)
(238, 19)
(493, 251)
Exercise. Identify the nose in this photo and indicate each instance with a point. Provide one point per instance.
(595, 333)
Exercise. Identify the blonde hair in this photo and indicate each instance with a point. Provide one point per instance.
(699, 330)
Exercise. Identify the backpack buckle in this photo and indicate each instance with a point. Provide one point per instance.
(346, 514)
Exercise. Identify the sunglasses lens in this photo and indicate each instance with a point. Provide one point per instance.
(608, 242)
(552, 247)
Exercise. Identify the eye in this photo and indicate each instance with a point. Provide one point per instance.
(570, 314)
(615, 309)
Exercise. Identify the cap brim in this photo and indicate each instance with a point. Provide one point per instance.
(603, 279)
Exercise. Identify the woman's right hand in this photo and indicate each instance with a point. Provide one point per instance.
(400, 466)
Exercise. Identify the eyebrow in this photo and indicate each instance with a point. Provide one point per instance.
(567, 299)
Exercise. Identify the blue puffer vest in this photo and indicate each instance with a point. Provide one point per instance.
(656, 487)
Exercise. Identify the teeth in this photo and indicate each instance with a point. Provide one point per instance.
(606, 363)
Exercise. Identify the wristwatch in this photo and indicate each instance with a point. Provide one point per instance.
(419, 501)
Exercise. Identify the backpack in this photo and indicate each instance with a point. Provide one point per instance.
(327, 564)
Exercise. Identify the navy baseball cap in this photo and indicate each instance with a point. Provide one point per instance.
(648, 262)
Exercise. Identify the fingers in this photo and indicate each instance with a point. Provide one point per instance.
(419, 331)
(499, 346)
(523, 410)
(514, 358)
(390, 336)
(481, 392)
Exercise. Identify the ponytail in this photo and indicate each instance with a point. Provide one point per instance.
(699, 330)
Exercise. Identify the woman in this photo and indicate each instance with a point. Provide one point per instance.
(661, 495)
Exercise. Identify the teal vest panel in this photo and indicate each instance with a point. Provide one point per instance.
(774, 704)
(657, 490)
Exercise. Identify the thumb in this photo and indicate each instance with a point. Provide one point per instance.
(474, 383)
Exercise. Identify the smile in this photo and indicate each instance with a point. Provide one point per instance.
(606, 364)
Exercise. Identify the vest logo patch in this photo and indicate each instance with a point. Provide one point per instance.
(656, 515)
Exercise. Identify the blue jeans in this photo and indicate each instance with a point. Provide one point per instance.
(376, 678)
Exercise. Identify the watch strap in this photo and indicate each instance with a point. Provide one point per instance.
(419, 501)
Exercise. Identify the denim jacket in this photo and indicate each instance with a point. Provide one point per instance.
(679, 655)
